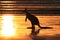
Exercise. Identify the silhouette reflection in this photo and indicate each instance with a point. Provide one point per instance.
(34, 35)
(33, 32)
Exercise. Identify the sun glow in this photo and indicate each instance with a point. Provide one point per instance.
(7, 27)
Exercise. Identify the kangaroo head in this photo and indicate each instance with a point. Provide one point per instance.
(25, 10)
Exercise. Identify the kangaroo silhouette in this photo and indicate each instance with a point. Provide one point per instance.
(33, 19)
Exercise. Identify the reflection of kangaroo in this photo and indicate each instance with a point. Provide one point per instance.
(34, 35)
(32, 18)
(33, 32)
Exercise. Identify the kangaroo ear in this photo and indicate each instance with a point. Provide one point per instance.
(26, 9)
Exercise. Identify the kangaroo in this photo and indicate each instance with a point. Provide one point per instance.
(34, 20)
